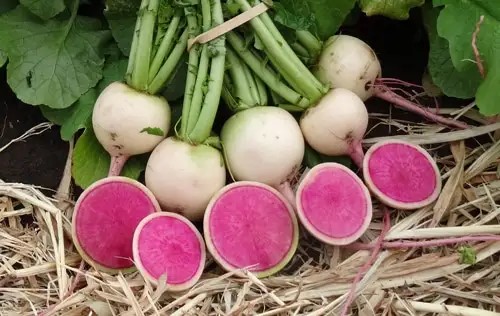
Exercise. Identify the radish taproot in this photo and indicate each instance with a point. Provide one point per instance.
(333, 204)
(401, 174)
(348, 62)
(130, 118)
(104, 220)
(168, 245)
(250, 225)
(185, 170)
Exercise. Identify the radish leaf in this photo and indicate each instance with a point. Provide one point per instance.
(454, 83)
(45, 9)
(317, 16)
(3, 58)
(77, 116)
(91, 162)
(52, 62)
(456, 23)
(121, 16)
(394, 9)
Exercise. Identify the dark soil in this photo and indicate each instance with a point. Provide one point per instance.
(401, 46)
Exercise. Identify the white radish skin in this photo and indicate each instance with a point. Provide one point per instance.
(184, 177)
(263, 144)
(336, 125)
(121, 113)
(348, 62)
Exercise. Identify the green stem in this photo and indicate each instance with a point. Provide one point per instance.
(239, 80)
(169, 66)
(260, 69)
(197, 100)
(285, 56)
(206, 120)
(194, 56)
(252, 85)
(261, 89)
(301, 50)
(135, 44)
(310, 42)
(165, 47)
(140, 72)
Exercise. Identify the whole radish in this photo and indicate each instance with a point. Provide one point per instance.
(184, 171)
(130, 118)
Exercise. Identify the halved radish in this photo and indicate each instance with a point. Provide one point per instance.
(333, 204)
(249, 225)
(402, 175)
(169, 244)
(104, 220)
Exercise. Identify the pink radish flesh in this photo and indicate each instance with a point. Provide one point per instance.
(402, 173)
(167, 244)
(105, 218)
(250, 226)
(333, 204)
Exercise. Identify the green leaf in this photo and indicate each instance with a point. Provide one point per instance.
(121, 16)
(91, 162)
(467, 255)
(317, 16)
(75, 117)
(51, 62)
(45, 9)
(287, 14)
(153, 131)
(459, 84)
(457, 22)
(3, 58)
(394, 9)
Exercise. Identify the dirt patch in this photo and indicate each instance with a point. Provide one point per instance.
(38, 160)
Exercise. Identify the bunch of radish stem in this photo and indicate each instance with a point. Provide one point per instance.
(185, 170)
(334, 117)
(131, 117)
(260, 142)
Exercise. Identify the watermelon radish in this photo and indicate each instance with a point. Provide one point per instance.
(104, 220)
(333, 204)
(169, 244)
(402, 175)
(250, 225)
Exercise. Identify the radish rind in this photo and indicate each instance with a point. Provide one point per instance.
(104, 220)
(333, 204)
(263, 144)
(250, 225)
(184, 176)
(401, 174)
(169, 244)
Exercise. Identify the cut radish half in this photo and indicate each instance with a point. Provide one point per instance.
(105, 218)
(249, 225)
(402, 175)
(169, 244)
(333, 204)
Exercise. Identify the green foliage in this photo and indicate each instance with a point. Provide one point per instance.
(52, 62)
(321, 17)
(394, 9)
(153, 131)
(467, 255)
(44, 9)
(121, 16)
(456, 23)
(453, 82)
(91, 162)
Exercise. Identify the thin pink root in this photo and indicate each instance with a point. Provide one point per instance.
(425, 243)
(477, 55)
(384, 93)
(356, 153)
(376, 249)
(286, 190)
(116, 166)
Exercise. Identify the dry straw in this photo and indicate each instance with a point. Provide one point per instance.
(42, 274)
